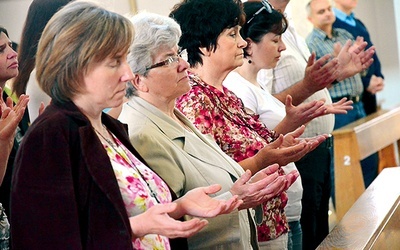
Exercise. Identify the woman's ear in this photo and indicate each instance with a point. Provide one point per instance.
(249, 47)
(139, 83)
(205, 51)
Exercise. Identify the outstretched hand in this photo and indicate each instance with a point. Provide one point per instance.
(156, 220)
(339, 107)
(255, 192)
(276, 152)
(288, 148)
(262, 186)
(198, 203)
(159, 219)
(290, 178)
(293, 138)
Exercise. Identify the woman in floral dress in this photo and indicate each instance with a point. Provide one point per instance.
(210, 33)
(78, 183)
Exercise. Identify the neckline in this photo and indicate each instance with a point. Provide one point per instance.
(111, 141)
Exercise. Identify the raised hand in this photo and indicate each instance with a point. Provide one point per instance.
(321, 73)
(318, 75)
(300, 114)
(10, 116)
(352, 58)
(156, 220)
(365, 56)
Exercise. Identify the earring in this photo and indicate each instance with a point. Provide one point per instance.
(249, 61)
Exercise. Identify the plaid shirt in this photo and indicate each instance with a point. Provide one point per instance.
(319, 42)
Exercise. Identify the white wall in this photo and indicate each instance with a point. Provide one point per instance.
(12, 16)
(13, 12)
(162, 7)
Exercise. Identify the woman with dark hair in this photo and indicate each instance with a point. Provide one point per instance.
(10, 118)
(210, 33)
(39, 13)
(8, 70)
(262, 33)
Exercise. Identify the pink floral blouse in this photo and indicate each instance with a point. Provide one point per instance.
(137, 182)
(239, 134)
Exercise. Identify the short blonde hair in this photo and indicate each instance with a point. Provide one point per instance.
(77, 36)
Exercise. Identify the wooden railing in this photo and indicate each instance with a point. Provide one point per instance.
(373, 222)
(378, 132)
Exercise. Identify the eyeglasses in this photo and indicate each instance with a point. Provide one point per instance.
(266, 5)
(170, 60)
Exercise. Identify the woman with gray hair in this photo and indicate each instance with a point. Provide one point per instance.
(78, 183)
(175, 149)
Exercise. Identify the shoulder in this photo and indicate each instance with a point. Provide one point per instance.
(130, 115)
(343, 33)
(234, 82)
(312, 36)
(52, 121)
(240, 86)
(196, 99)
(360, 23)
(137, 124)
(145, 137)
(57, 125)
(338, 23)
(196, 92)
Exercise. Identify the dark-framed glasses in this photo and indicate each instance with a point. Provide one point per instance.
(170, 60)
(266, 6)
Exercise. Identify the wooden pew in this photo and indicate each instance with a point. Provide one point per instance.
(373, 222)
(378, 132)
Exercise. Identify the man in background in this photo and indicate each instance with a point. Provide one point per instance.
(372, 78)
(322, 40)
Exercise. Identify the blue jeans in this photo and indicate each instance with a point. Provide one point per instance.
(295, 238)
